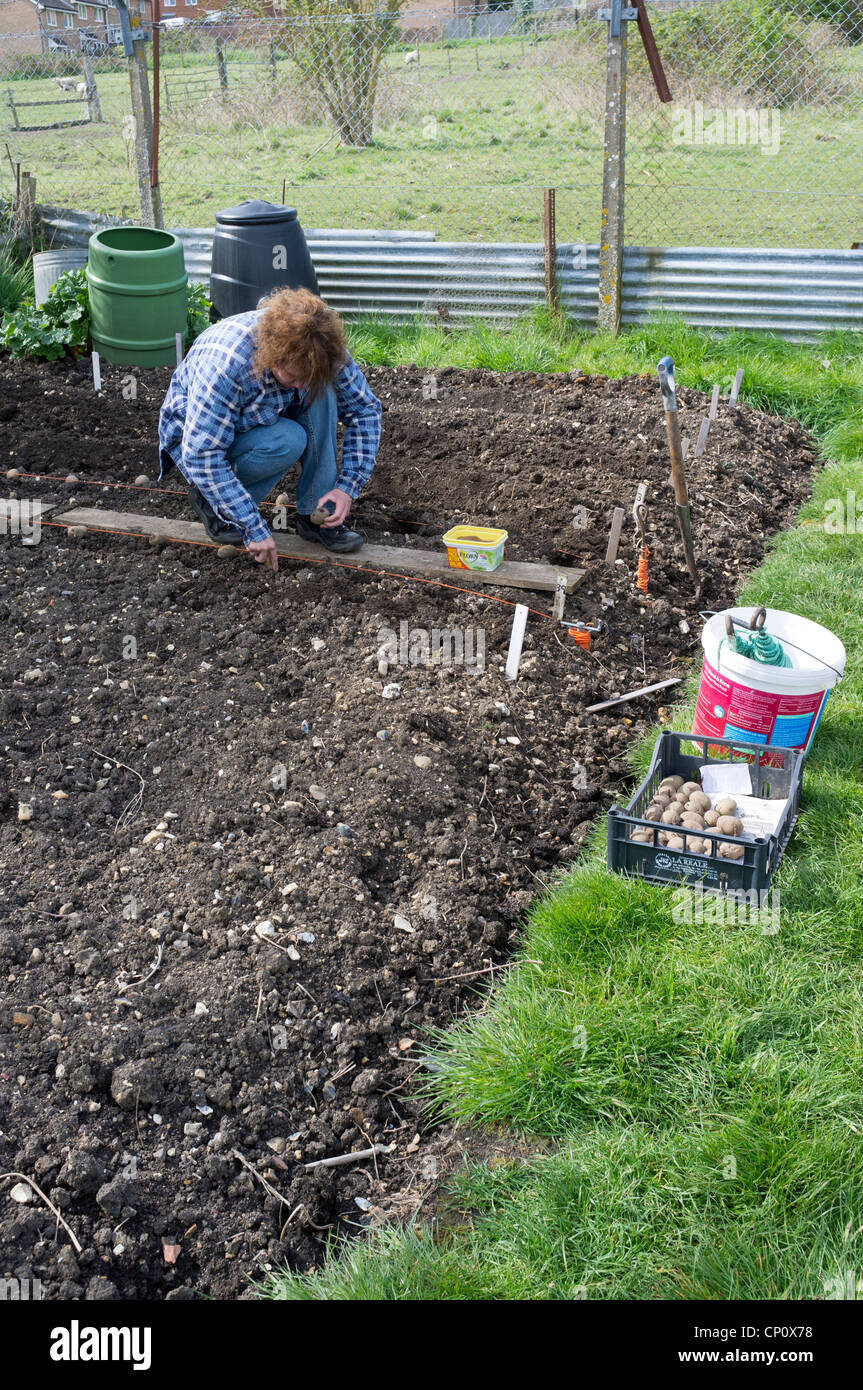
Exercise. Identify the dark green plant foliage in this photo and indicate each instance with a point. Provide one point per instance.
(16, 277)
(59, 326)
(748, 48)
(847, 15)
(199, 311)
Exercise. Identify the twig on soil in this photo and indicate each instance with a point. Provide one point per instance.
(37, 1189)
(371, 1141)
(274, 946)
(402, 1084)
(340, 1159)
(443, 979)
(268, 1186)
(301, 1206)
(131, 809)
(632, 695)
(133, 984)
(306, 993)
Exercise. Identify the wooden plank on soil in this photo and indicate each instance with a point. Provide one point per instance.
(511, 574)
(614, 535)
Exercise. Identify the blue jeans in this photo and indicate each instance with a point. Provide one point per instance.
(261, 457)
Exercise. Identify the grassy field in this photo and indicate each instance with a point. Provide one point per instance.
(699, 1084)
(465, 142)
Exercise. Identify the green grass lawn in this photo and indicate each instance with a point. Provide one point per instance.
(700, 1085)
(465, 141)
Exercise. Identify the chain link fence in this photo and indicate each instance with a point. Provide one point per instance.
(454, 123)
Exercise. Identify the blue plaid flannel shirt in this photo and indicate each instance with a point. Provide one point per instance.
(214, 394)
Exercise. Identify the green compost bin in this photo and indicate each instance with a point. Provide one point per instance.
(137, 283)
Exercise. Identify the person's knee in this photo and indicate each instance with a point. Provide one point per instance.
(284, 436)
(285, 440)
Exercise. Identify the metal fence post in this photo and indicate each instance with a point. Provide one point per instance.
(613, 168)
(549, 223)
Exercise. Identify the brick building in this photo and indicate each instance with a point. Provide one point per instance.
(40, 25)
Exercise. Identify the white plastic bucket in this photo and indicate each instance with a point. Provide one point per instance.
(48, 266)
(782, 705)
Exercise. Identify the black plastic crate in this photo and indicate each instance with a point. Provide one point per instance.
(776, 773)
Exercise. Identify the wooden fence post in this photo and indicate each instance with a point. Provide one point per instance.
(142, 115)
(94, 108)
(221, 66)
(613, 171)
(26, 211)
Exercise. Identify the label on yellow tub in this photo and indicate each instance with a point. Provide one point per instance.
(475, 547)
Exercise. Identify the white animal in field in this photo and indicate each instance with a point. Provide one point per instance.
(81, 89)
(413, 56)
(66, 84)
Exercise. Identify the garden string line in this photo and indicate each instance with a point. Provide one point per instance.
(209, 545)
(336, 564)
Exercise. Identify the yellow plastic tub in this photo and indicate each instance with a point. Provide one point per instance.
(474, 547)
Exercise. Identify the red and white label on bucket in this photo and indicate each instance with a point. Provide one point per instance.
(728, 710)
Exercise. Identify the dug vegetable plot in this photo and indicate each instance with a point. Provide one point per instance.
(248, 862)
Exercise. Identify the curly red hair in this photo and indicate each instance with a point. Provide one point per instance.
(296, 330)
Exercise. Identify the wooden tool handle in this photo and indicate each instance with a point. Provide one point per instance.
(675, 448)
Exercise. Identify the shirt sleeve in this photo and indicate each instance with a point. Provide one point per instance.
(360, 412)
(213, 403)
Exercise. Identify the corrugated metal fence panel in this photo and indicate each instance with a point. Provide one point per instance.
(795, 293)
(445, 279)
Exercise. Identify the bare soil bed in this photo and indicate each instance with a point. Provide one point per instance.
(250, 884)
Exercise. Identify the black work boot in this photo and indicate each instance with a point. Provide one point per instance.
(218, 530)
(340, 539)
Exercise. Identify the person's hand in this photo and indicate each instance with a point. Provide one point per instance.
(341, 504)
(264, 552)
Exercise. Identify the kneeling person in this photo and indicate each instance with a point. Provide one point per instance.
(257, 393)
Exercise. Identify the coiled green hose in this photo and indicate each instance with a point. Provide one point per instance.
(759, 646)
